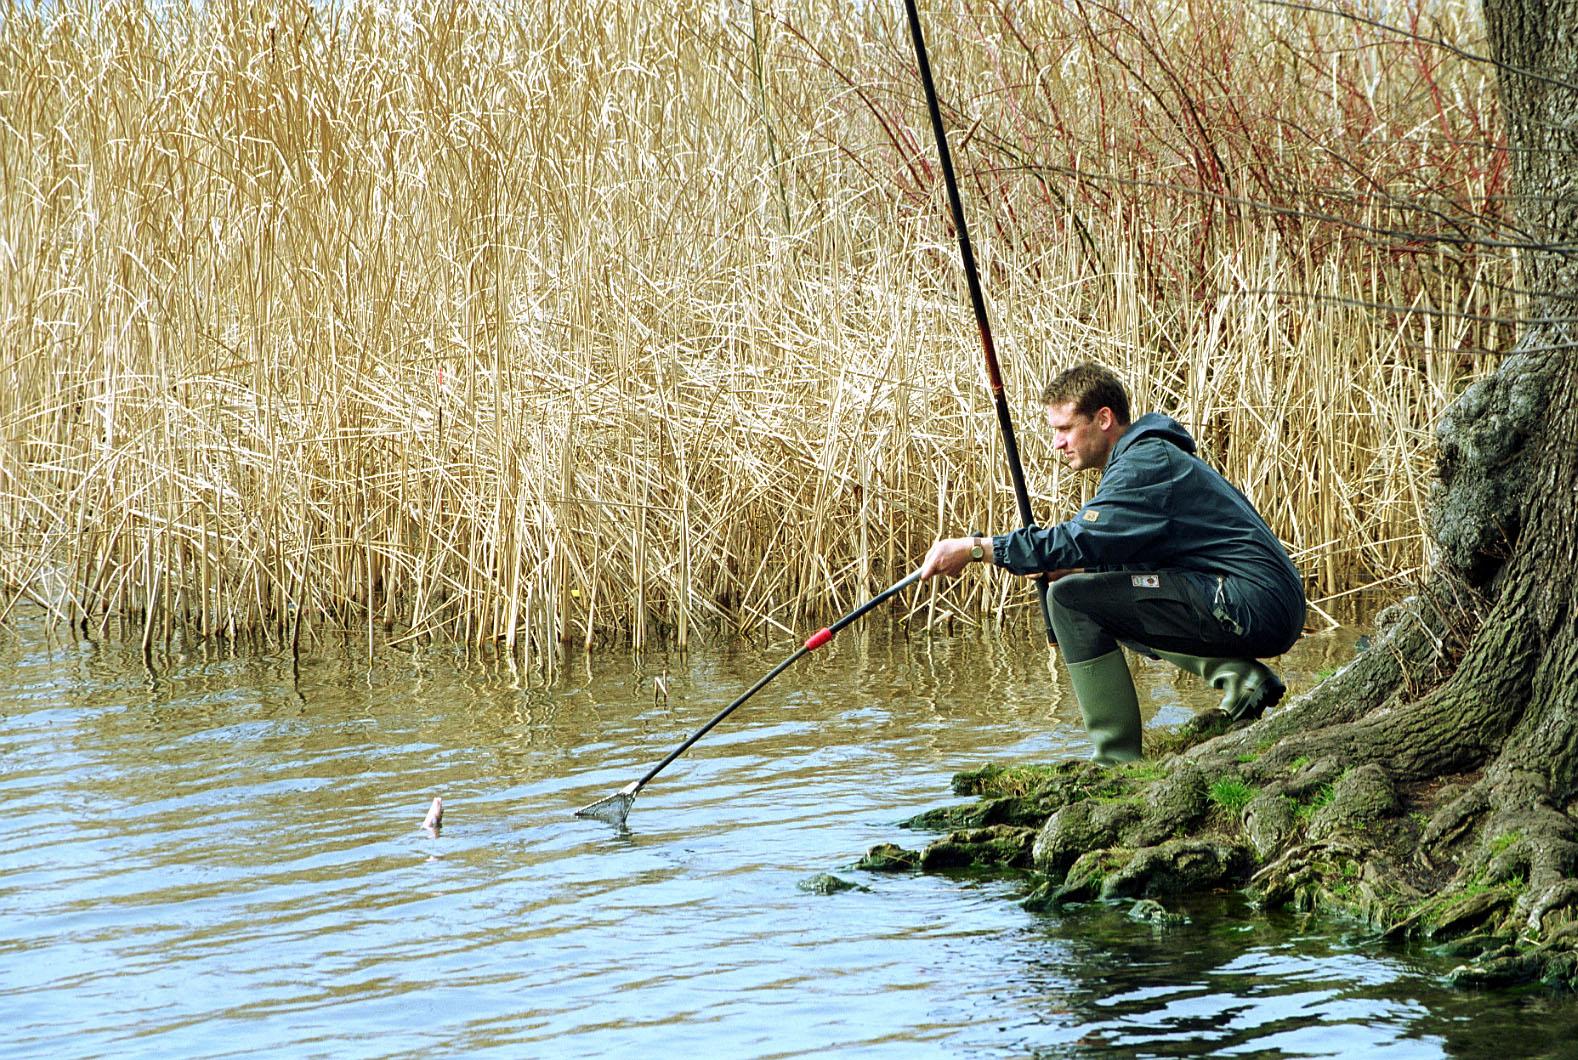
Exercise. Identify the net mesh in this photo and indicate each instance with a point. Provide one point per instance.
(612, 810)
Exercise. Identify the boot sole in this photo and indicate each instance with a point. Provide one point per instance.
(1265, 695)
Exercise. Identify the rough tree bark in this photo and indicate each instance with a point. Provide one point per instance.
(1431, 786)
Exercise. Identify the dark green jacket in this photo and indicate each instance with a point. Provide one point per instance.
(1160, 507)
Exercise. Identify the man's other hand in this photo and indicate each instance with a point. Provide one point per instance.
(947, 557)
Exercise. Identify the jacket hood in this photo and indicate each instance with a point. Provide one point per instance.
(1155, 425)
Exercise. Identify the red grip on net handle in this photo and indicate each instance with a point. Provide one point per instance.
(819, 638)
(822, 636)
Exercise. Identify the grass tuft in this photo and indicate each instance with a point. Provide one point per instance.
(1231, 793)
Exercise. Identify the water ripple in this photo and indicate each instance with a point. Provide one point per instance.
(219, 860)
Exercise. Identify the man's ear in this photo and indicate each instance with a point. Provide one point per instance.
(1105, 419)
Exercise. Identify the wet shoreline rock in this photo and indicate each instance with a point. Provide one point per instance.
(825, 883)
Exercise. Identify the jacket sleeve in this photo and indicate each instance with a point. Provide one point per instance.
(1125, 522)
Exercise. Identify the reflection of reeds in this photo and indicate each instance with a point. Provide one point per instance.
(481, 321)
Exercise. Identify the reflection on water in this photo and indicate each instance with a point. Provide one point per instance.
(223, 859)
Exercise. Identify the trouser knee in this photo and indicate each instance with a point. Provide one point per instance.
(1079, 635)
(1094, 612)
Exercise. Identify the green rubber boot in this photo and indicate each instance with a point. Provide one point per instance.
(1248, 685)
(1109, 706)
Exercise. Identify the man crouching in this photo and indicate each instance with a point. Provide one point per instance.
(1167, 558)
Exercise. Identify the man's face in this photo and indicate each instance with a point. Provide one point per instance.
(1084, 441)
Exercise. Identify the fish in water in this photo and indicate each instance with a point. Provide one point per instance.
(434, 823)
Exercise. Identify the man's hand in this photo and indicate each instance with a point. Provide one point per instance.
(948, 557)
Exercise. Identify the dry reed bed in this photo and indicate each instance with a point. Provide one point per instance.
(518, 325)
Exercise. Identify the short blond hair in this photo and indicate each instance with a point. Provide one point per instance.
(1089, 387)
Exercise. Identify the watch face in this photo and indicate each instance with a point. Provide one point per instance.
(976, 552)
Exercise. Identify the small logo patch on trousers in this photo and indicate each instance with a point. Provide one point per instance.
(1146, 581)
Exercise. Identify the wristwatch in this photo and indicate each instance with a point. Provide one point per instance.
(977, 553)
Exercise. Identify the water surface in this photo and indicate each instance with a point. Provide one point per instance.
(223, 857)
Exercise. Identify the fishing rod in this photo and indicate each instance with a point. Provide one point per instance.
(616, 807)
(994, 375)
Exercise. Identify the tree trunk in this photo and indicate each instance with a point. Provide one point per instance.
(1431, 785)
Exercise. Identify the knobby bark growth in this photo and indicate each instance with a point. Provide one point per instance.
(1430, 786)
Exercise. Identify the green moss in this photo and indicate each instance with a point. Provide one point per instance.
(1469, 908)
(1086, 877)
(1049, 787)
(1512, 886)
(1019, 780)
(998, 846)
(886, 857)
(1305, 810)
(1166, 743)
(1028, 811)
(1502, 843)
(1142, 770)
(824, 883)
(946, 818)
